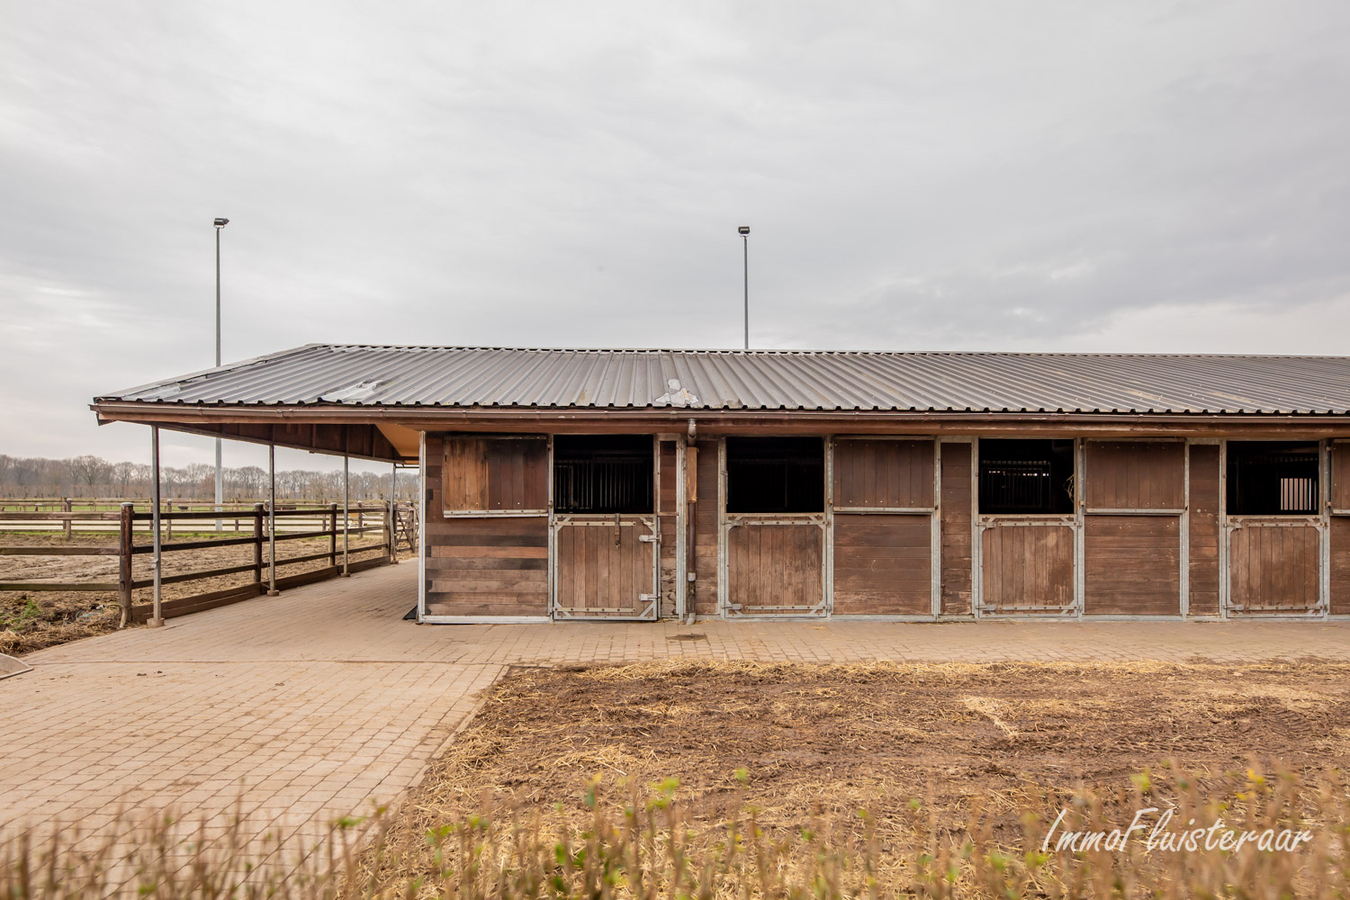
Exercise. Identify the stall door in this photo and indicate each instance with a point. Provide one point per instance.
(883, 527)
(776, 568)
(1274, 528)
(1135, 494)
(605, 568)
(1273, 568)
(1026, 568)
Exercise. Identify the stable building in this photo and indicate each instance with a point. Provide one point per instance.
(645, 484)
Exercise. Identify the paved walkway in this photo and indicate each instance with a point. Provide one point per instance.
(310, 705)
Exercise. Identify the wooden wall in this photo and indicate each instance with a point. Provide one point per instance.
(955, 511)
(492, 566)
(668, 522)
(1135, 475)
(882, 565)
(495, 473)
(1340, 565)
(882, 474)
(1204, 530)
(1132, 565)
(704, 587)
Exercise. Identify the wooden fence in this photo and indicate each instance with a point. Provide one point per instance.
(395, 523)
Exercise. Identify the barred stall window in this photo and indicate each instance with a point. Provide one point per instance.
(775, 475)
(1026, 477)
(1273, 478)
(603, 474)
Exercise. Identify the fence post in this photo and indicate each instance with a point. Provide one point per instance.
(257, 541)
(66, 525)
(124, 556)
(168, 521)
(389, 533)
(332, 535)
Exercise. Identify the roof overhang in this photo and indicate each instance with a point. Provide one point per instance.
(391, 433)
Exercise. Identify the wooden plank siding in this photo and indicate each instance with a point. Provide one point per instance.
(667, 524)
(1340, 565)
(882, 559)
(1204, 530)
(1135, 475)
(495, 474)
(1340, 476)
(704, 587)
(1132, 565)
(1273, 569)
(882, 474)
(882, 564)
(775, 569)
(488, 566)
(955, 514)
(1027, 568)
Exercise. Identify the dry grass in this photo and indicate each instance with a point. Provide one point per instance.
(648, 845)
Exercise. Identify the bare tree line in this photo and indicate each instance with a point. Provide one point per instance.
(93, 476)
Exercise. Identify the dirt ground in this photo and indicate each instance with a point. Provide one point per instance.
(967, 742)
(32, 620)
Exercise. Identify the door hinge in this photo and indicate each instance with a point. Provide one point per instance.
(649, 538)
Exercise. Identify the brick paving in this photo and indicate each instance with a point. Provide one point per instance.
(309, 706)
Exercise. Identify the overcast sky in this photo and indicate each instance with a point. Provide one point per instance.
(1130, 176)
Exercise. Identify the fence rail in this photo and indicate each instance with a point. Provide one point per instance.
(395, 522)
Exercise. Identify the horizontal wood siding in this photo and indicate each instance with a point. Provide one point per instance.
(1340, 565)
(1027, 568)
(704, 587)
(955, 512)
(1136, 475)
(882, 565)
(492, 474)
(1204, 528)
(668, 522)
(770, 567)
(1340, 475)
(1273, 569)
(881, 474)
(482, 566)
(1132, 565)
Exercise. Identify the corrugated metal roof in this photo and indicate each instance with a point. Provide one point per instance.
(459, 377)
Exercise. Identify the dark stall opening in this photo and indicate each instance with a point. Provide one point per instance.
(1026, 477)
(775, 475)
(603, 474)
(1272, 478)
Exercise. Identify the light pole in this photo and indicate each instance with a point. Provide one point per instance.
(744, 232)
(220, 478)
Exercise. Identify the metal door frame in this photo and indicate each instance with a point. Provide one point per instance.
(649, 604)
(727, 521)
(984, 522)
(1321, 521)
